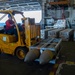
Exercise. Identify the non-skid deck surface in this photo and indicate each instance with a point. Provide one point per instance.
(10, 65)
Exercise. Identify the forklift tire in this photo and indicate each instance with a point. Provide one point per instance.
(0, 51)
(21, 52)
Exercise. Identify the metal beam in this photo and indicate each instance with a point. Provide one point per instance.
(21, 5)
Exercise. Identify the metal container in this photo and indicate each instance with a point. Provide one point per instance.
(44, 33)
(54, 33)
(66, 34)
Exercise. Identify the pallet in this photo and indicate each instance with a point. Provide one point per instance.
(52, 44)
(47, 44)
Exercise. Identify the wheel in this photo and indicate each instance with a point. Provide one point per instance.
(0, 51)
(21, 52)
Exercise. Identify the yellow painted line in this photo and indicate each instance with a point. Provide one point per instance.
(54, 67)
(69, 62)
(51, 73)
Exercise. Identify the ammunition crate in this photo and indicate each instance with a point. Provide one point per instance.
(66, 34)
(54, 33)
(44, 33)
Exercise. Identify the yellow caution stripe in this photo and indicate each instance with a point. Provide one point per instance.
(54, 69)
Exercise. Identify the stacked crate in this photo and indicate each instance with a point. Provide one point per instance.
(44, 33)
(66, 34)
(74, 1)
(74, 35)
(54, 33)
(33, 31)
(38, 31)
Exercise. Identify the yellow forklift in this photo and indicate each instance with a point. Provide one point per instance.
(26, 38)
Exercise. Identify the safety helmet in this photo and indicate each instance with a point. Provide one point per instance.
(9, 15)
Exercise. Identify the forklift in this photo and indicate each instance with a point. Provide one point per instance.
(26, 38)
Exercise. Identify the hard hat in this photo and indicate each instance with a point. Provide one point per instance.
(9, 15)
